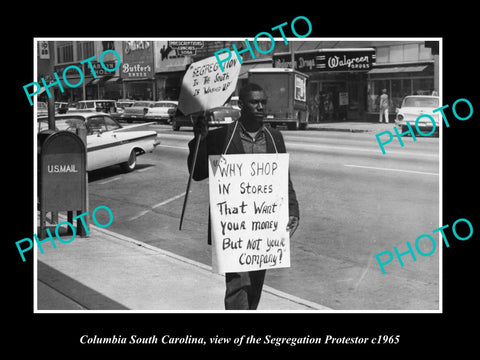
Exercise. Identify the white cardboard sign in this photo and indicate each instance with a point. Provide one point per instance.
(205, 86)
(249, 212)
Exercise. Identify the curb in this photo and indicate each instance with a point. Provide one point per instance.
(309, 304)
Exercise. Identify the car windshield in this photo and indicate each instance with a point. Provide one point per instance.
(420, 102)
(104, 104)
(65, 123)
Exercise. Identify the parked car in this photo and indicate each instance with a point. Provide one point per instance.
(234, 102)
(218, 116)
(412, 107)
(42, 108)
(106, 106)
(61, 107)
(162, 111)
(108, 142)
(121, 105)
(72, 106)
(137, 111)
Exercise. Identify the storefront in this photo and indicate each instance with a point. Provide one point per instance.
(171, 62)
(337, 85)
(91, 87)
(399, 80)
(137, 70)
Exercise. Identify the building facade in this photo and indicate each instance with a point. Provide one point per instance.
(106, 83)
(345, 77)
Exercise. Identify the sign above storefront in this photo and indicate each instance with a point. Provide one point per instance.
(169, 58)
(97, 67)
(137, 61)
(328, 60)
(185, 47)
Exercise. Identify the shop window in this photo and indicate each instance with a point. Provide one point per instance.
(396, 53)
(423, 86)
(410, 52)
(399, 89)
(108, 45)
(374, 92)
(85, 49)
(64, 51)
(382, 54)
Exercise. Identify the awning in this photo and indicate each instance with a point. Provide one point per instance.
(248, 66)
(99, 80)
(88, 81)
(398, 69)
(113, 79)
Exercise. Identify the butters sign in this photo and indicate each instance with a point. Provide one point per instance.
(137, 61)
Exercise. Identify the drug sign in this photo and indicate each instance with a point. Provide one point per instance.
(249, 212)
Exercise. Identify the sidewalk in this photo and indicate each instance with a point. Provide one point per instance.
(108, 271)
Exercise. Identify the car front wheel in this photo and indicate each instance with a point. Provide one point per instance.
(131, 163)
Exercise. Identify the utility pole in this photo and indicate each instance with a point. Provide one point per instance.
(292, 55)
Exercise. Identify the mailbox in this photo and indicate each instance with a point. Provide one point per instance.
(63, 177)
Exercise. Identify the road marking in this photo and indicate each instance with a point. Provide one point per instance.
(359, 149)
(169, 200)
(109, 181)
(145, 169)
(141, 213)
(389, 169)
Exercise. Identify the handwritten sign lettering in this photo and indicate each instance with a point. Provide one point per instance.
(249, 211)
(205, 86)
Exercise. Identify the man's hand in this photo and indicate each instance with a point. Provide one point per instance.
(200, 127)
(292, 224)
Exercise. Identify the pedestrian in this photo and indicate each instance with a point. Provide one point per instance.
(384, 103)
(246, 135)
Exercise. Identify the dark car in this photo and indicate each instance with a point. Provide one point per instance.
(218, 116)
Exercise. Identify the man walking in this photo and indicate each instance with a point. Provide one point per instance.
(384, 103)
(247, 135)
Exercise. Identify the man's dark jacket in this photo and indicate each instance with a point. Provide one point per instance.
(215, 144)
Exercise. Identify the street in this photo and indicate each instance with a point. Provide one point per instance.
(354, 203)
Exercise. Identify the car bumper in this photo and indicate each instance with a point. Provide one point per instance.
(158, 117)
(425, 128)
(132, 116)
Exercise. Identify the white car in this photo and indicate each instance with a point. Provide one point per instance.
(108, 142)
(415, 105)
(161, 111)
